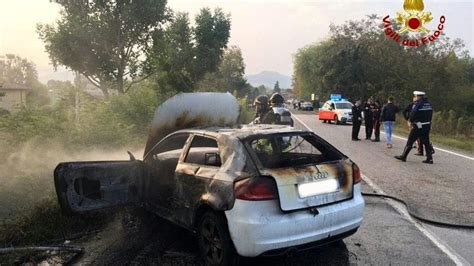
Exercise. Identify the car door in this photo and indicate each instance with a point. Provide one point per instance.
(324, 112)
(88, 186)
(194, 175)
(159, 183)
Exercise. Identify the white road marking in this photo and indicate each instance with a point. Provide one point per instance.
(453, 255)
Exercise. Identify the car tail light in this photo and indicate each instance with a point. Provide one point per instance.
(356, 173)
(255, 189)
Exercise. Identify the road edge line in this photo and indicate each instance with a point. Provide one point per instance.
(453, 255)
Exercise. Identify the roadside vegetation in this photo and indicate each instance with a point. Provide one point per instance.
(359, 61)
(66, 121)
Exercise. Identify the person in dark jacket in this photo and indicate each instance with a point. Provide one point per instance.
(406, 114)
(420, 120)
(356, 120)
(388, 117)
(368, 118)
(376, 112)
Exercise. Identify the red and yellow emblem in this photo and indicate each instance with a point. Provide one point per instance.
(414, 18)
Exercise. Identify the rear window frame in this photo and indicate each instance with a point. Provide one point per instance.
(256, 160)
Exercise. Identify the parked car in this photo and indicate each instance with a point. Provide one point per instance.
(338, 111)
(251, 190)
(307, 106)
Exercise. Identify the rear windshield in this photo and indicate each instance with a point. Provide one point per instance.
(289, 150)
(343, 105)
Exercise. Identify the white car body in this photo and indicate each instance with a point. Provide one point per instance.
(260, 226)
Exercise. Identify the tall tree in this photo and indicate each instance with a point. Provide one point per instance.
(184, 55)
(105, 40)
(212, 33)
(173, 54)
(276, 88)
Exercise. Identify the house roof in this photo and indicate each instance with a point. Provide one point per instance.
(10, 86)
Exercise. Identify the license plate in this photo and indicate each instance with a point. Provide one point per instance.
(285, 119)
(318, 188)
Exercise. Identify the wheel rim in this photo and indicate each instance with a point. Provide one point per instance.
(211, 242)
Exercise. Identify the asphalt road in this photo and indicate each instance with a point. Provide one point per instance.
(442, 191)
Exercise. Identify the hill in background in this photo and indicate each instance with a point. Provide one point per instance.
(268, 79)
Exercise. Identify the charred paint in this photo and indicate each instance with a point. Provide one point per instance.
(289, 178)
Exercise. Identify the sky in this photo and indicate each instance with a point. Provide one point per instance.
(269, 32)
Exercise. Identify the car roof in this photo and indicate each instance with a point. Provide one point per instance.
(242, 131)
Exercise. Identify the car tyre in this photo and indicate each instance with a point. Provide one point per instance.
(215, 244)
(336, 121)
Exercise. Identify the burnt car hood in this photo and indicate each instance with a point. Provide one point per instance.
(188, 110)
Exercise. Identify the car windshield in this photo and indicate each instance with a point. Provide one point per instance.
(343, 105)
(290, 150)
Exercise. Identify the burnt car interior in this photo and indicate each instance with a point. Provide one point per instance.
(275, 151)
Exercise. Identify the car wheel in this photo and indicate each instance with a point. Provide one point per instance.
(324, 121)
(215, 245)
(336, 121)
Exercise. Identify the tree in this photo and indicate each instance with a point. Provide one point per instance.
(229, 75)
(173, 55)
(212, 33)
(184, 55)
(20, 71)
(276, 88)
(17, 70)
(105, 40)
(359, 61)
(232, 69)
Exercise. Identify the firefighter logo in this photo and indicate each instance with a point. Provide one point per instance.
(413, 20)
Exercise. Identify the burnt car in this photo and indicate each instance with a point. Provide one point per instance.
(248, 190)
(251, 190)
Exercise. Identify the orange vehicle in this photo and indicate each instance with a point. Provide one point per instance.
(337, 110)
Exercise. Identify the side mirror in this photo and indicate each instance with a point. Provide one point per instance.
(212, 159)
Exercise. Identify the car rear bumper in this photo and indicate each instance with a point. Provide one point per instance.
(260, 227)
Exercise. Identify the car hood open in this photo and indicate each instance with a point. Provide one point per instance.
(187, 110)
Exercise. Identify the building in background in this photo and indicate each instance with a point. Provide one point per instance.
(12, 96)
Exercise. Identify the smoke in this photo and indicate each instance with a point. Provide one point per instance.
(37, 157)
(26, 171)
(187, 110)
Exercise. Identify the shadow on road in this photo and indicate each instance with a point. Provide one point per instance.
(146, 239)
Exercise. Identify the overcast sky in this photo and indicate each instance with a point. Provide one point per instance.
(268, 31)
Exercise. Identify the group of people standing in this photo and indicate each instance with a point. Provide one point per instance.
(418, 114)
(372, 117)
